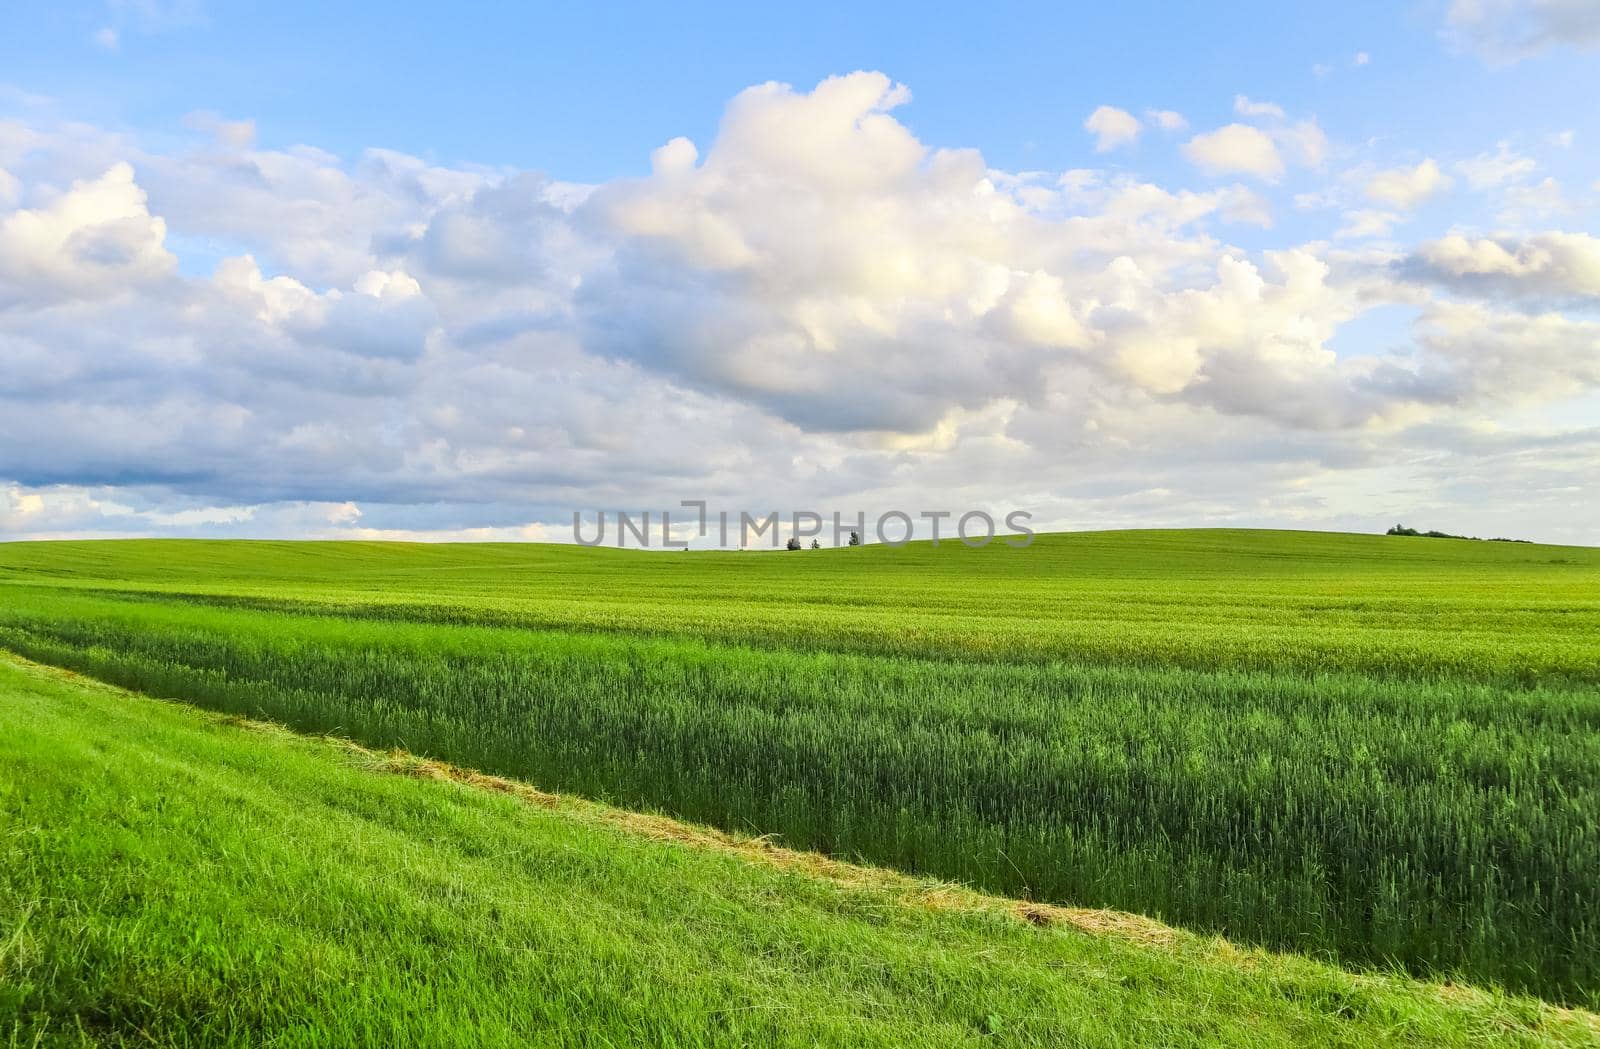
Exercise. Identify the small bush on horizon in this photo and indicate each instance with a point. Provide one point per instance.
(1401, 529)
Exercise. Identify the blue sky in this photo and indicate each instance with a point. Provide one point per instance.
(1357, 256)
(583, 92)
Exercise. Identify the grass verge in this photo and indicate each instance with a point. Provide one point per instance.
(180, 877)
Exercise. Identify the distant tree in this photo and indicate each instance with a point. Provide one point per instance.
(815, 545)
(794, 542)
(1432, 534)
(855, 538)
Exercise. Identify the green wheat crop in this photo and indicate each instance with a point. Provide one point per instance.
(1383, 750)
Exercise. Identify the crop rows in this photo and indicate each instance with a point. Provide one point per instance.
(1446, 826)
(1419, 609)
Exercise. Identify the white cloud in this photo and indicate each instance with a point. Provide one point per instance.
(825, 303)
(1533, 203)
(1508, 30)
(1112, 127)
(1166, 119)
(675, 158)
(1513, 358)
(1315, 200)
(313, 214)
(1246, 108)
(1361, 58)
(234, 133)
(1306, 143)
(1236, 149)
(96, 239)
(1405, 188)
(1488, 170)
(818, 301)
(1363, 224)
(107, 39)
(1260, 151)
(1550, 266)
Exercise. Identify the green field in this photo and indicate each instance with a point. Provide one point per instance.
(1196, 598)
(1379, 750)
(174, 877)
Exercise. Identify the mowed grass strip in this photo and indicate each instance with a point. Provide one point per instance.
(1446, 826)
(169, 877)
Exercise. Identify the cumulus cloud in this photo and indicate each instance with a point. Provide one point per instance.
(1532, 203)
(1263, 149)
(811, 302)
(1166, 119)
(1488, 170)
(311, 212)
(1306, 143)
(95, 239)
(1364, 223)
(1508, 30)
(1243, 106)
(1112, 127)
(1514, 358)
(384, 315)
(233, 133)
(1236, 149)
(1547, 267)
(919, 287)
(1405, 188)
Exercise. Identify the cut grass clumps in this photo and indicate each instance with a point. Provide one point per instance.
(170, 877)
